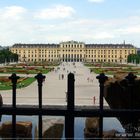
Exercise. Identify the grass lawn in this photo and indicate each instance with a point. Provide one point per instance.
(25, 70)
(99, 70)
(112, 71)
(7, 85)
(105, 64)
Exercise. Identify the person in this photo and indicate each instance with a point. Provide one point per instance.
(88, 79)
(94, 100)
(90, 70)
(62, 76)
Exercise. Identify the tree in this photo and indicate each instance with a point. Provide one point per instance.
(133, 58)
(7, 56)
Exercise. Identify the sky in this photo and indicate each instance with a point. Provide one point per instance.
(54, 21)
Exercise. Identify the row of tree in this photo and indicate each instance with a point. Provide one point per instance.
(7, 56)
(133, 58)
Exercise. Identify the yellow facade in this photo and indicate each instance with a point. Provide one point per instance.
(73, 51)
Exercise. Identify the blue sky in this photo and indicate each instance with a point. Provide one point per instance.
(53, 21)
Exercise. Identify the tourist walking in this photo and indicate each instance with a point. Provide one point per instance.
(62, 76)
(88, 79)
(94, 100)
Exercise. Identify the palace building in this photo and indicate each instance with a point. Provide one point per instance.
(73, 51)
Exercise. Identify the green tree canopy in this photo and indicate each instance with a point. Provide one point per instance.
(133, 58)
(7, 56)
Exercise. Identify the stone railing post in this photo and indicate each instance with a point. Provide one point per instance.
(101, 78)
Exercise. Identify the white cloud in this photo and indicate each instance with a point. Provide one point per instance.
(96, 1)
(103, 35)
(18, 25)
(129, 30)
(12, 12)
(56, 12)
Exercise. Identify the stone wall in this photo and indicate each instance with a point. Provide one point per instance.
(92, 130)
(23, 129)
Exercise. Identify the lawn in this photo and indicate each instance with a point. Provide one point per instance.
(105, 64)
(25, 70)
(44, 64)
(5, 83)
(112, 71)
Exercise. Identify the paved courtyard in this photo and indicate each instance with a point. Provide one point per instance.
(55, 88)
